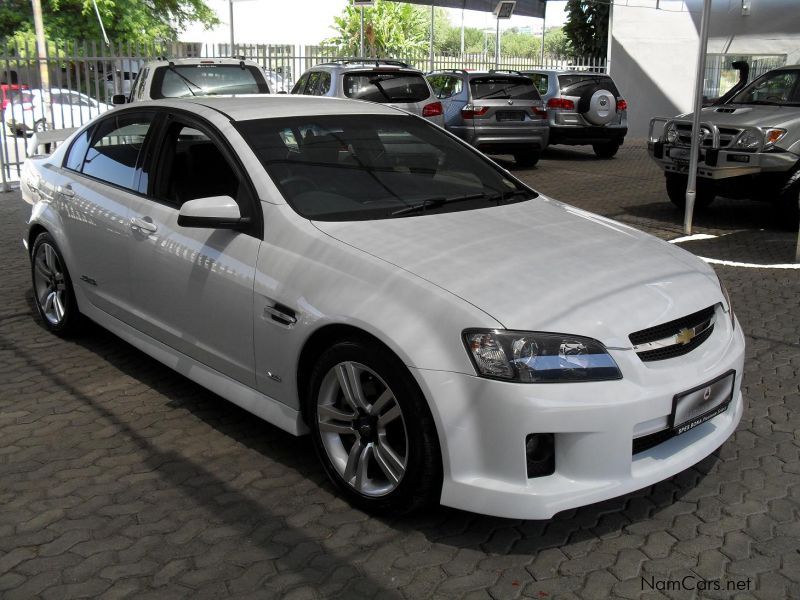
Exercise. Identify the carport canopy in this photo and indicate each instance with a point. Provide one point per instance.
(523, 8)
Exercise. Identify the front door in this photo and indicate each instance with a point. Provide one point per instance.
(193, 287)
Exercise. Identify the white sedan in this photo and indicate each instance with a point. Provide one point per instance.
(444, 332)
(66, 109)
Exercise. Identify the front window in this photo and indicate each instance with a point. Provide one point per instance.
(378, 86)
(777, 87)
(180, 81)
(503, 88)
(360, 167)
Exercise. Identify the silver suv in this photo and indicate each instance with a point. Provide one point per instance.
(385, 81)
(498, 112)
(583, 108)
(750, 146)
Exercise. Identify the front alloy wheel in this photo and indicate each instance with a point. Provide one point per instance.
(372, 428)
(362, 429)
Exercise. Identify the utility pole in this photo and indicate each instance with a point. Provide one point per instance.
(361, 43)
(41, 47)
(497, 46)
(230, 18)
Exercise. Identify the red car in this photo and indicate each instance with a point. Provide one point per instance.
(8, 91)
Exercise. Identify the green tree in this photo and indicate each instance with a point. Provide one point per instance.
(521, 45)
(556, 43)
(587, 27)
(390, 28)
(124, 20)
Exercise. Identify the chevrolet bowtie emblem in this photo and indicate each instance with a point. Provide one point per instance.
(684, 336)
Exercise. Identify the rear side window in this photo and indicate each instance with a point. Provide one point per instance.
(444, 86)
(116, 148)
(181, 81)
(77, 151)
(301, 84)
(503, 88)
(577, 85)
(319, 82)
(386, 87)
(540, 81)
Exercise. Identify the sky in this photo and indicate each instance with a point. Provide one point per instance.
(309, 21)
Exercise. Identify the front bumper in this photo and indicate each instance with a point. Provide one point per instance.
(720, 163)
(483, 425)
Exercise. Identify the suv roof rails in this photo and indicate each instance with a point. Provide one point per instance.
(512, 71)
(377, 61)
(462, 71)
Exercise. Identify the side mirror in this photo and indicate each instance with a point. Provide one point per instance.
(118, 99)
(215, 212)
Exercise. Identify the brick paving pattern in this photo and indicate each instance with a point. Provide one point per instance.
(122, 479)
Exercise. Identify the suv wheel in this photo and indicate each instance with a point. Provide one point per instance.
(788, 203)
(676, 190)
(527, 159)
(372, 429)
(606, 149)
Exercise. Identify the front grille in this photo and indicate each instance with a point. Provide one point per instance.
(726, 136)
(660, 342)
(651, 440)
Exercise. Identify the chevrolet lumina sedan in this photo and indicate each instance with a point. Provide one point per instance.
(352, 271)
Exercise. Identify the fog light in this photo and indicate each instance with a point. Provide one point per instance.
(540, 454)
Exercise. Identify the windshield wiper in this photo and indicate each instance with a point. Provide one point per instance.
(503, 196)
(186, 80)
(434, 203)
(376, 82)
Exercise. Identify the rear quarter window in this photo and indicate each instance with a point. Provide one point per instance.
(386, 87)
(502, 88)
(576, 85)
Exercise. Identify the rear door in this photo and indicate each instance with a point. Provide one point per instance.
(504, 103)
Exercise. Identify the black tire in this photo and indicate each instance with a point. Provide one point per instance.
(69, 324)
(421, 481)
(527, 159)
(676, 190)
(606, 149)
(788, 203)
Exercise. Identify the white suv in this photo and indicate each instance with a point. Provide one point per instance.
(187, 77)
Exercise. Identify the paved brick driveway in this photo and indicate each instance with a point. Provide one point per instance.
(119, 478)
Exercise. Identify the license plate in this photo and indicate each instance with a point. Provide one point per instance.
(698, 405)
(510, 115)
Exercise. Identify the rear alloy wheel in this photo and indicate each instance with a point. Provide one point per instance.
(676, 190)
(52, 287)
(527, 159)
(372, 429)
(606, 149)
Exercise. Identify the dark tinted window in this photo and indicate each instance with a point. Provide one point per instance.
(577, 85)
(114, 153)
(503, 87)
(77, 151)
(357, 167)
(540, 80)
(207, 80)
(301, 84)
(380, 86)
(319, 85)
(445, 86)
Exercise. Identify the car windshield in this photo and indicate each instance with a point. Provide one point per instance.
(362, 167)
(776, 87)
(576, 85)
(180, 81)
(386, 87)
(503, 88)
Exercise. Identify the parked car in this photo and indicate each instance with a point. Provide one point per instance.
(750, 146)
(444, 332)
(278, 83)
(583, 108)
(498, 112)
(121, 76)
(67, 109)
(384, 81)
(189, 77)
(10, 92)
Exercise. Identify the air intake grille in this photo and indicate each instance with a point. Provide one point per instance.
(674, 338)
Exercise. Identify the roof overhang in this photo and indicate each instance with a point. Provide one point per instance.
(524, 8)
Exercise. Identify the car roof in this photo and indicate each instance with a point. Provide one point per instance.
(366, 65)
(196, 61)
(565, 72)
(247, 107)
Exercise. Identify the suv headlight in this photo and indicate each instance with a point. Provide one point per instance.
(534, 357)
(749, 139)
(671, 134)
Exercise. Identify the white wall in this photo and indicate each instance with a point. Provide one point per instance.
(654, 52)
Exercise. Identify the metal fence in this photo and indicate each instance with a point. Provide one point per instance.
(720, 75)
(83, 77)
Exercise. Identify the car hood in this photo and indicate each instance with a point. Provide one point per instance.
(543, 265)
(749, 115)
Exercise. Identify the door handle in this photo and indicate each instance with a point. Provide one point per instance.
(143, 224)
(66, 190)
(281, 314)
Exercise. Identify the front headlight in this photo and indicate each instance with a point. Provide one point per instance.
(533, 357)
(671, 134)
(749, 139)
(727, 297)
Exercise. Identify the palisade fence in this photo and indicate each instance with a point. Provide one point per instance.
(84, 76)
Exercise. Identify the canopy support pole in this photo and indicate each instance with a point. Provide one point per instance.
(431, 40)
(544, 22)
(497, 45)
(361, 36)
(691, 189)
